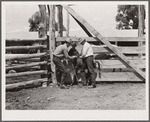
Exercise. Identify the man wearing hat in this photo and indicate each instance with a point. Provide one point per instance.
(88, 62)
(60, 53)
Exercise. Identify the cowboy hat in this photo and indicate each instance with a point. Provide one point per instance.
(80, 40)
(68, 40)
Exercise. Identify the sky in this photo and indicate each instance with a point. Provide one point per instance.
(100, 15)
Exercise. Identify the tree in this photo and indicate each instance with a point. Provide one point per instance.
(127, 17)
(34, 22)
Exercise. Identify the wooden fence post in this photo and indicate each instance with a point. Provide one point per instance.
(52, 40)
(43, 34)
(42, 25)
(68, 22)
(60, 22)
(141, 24)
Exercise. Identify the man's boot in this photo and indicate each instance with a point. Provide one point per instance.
(62, 85)
(83, 78)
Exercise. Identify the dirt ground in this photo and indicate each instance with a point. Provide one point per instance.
(106, 96)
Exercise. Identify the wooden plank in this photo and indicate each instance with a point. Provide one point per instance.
(85, 30)
(23, 56)
(125, 50)
(118, 76)
(141, 21)
(30, 59)
(140, 24)
(26, 73)
(106, 42)
(42, 26)
(25, 65)
(25, 47)
(24, 40)
(24, 84)
(52, 41)
(100, 56)
(118, 63)
(68, 24)
(60, 22)
(43, 34)
(110, 39)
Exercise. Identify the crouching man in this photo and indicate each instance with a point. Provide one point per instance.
(88, 62)
(60, 53)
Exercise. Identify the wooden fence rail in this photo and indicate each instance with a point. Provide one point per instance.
(23, 56)
(26, 73)
(25, 40)
(118, 77)
(125, 50)
(25, 65)
(93, 39)
(24, 84)
(106, 64)
(25, 47)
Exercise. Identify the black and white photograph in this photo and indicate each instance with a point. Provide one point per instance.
(85, 60)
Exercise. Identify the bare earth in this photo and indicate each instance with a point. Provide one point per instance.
(114, 96)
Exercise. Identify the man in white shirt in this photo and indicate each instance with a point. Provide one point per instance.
(88, 62)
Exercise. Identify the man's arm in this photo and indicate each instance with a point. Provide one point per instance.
(66, 54)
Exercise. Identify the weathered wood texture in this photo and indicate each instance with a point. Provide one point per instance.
(25, 47)
(141, 21)
(126, 50)
(24, 40)
(60, 21)
(23, 56)
(83, 27)
(106, 42)
(141, 24)
(42, 28)
(110, 39)
(67, 25)
(24, 84)
(26, 65)
(118, 76)
(43, 34)
(52, 40)
(118, 64)
(30, 59)
(26, 73)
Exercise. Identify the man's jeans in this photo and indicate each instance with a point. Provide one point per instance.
(89, 64)
(61, 67)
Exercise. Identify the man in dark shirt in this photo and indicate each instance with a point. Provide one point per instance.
(60, 53)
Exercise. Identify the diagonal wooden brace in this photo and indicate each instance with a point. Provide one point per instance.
(106, 42)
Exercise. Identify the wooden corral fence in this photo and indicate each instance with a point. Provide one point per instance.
(123, 61)
(123, 64)
(25, 62)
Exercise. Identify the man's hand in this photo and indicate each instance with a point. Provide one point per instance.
(73, 57)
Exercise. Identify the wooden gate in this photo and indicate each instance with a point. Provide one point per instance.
(132, 68)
